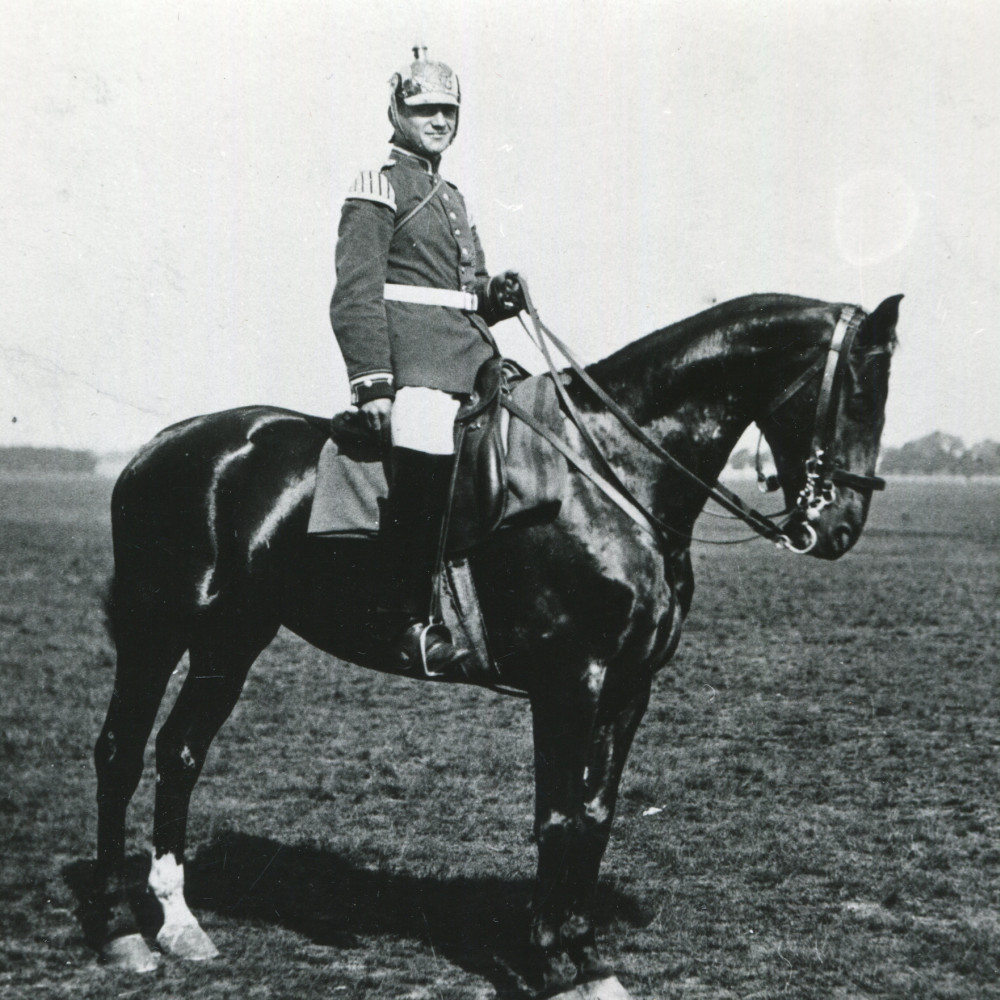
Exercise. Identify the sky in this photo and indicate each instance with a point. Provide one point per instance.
(173, 173)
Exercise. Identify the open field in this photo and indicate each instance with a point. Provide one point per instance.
(811, 809)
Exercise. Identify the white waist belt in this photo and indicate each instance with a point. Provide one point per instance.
(425, 296)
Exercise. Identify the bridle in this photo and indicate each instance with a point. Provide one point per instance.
(821, 478)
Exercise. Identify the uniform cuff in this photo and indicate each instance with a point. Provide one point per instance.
(378, 385)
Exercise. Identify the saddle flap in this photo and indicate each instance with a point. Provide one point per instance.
(479, 495)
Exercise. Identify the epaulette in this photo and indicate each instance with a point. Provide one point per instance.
(373, 185)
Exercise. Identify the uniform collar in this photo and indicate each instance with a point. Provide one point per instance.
(397, 154)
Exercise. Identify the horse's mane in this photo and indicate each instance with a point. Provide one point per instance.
(734, 312)
(677, 338)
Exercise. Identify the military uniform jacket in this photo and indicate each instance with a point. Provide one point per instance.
(387, 344)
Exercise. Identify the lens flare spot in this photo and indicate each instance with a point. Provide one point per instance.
(875, 217)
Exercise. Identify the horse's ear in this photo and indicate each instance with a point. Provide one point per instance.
(880, 327)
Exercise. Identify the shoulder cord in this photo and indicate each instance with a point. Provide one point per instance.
(421, 204)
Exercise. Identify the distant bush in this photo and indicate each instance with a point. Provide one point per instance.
(742, 458)
(937, 454)
(46, 460)
(940, 454)
(982, 459)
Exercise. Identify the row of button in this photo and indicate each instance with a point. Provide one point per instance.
(466, 254)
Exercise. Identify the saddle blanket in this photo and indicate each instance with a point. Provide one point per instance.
(351, 483)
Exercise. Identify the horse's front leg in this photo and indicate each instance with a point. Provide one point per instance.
(581, 744)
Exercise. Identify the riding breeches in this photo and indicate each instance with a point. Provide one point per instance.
(424, 420)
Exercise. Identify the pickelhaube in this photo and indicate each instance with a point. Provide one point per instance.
(425, 82)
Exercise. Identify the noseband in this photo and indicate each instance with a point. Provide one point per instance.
(821, 477)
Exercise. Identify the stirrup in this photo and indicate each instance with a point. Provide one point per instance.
(424, 641)
(441, 631)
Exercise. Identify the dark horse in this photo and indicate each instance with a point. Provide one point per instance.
(212, 556)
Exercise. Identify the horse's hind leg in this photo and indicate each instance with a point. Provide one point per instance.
(145, 661)
(220, 660)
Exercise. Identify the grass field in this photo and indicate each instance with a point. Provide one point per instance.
(811, 808)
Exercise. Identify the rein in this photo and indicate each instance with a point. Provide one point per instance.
(818, 491)
(726, 498)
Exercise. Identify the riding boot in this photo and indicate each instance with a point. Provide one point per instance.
(415, 511)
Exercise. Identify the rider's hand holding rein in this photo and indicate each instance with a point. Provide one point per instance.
(505, 294)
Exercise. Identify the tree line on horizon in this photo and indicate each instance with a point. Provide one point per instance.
(936, 454)
(22, 458)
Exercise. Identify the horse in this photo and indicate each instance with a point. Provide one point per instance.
(212, 556)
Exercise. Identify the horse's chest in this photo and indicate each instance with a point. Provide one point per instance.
(548, 592)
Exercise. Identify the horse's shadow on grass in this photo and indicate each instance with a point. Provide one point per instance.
(478, 923)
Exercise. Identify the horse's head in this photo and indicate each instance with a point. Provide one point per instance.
(824, 432)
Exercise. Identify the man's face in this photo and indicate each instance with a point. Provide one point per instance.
(428, 128)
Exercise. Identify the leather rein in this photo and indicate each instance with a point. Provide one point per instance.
(819, 490)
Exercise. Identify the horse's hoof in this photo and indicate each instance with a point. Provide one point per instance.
(188, 941)
(130, 953)
(599, 989)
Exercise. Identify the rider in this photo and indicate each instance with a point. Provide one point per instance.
(411, 310)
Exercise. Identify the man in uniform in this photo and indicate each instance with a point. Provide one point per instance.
(411, 310)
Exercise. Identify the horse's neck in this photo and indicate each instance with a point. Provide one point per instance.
(696, 386)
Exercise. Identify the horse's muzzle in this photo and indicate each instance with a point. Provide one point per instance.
(831, 535)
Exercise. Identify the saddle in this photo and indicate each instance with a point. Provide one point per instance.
(504, 474)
